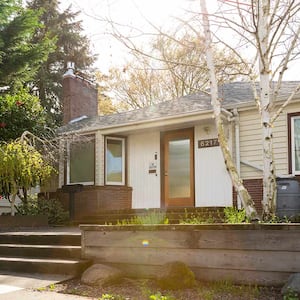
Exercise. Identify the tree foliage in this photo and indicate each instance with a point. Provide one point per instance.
(175, 67)
(18, 113)
(21, 167)
(20, 55)
(71, 45)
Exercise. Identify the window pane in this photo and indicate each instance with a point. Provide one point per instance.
(179, 168)
(297, 143)
(82, 161)
(114, 161)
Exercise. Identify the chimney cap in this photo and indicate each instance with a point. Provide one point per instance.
(70, 69)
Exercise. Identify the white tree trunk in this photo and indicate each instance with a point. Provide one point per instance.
(269, 177)
(237, 182)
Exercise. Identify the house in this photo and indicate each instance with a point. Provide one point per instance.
(167, 155)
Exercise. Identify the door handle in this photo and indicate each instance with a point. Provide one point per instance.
(166, 173)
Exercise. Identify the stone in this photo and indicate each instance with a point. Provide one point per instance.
(175, 275)
(101, 275)
(292, 286)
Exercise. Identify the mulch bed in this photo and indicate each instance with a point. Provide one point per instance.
(141, 289)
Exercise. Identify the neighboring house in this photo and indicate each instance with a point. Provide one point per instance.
(167, 155)
(5, 206)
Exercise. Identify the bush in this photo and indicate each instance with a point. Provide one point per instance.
(234, 216)
(151, 218)
(51, 208)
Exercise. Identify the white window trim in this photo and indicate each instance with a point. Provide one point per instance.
(68, 168)
(123, 161)
(293, 146)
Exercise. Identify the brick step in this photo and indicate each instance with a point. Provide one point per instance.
(46, 251)
(38, 238)
(72, 267)
(165, 210)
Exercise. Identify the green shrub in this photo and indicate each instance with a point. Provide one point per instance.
(51, 208)
(159, 296)
(235, 216)
(291, 295)
(111, 297)
(151, 218)
(201, 217)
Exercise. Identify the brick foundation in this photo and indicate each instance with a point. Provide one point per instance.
(95, 199)
(255, 189)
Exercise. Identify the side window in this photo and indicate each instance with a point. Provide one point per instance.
(115, 161)
(295, 144)
(81, 162)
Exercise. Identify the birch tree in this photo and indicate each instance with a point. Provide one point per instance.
(269, 31)
(216, 104)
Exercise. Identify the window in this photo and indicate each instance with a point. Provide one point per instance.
(295, 144)
(81, 164)
(115, 161)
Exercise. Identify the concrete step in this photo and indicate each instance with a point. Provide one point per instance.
(47, 251)
(40, 238)
(72, 267)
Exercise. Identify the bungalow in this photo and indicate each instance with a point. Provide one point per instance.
(167, 155)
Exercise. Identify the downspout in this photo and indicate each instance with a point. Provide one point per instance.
(237, 148)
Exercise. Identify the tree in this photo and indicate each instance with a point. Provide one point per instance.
(20, 56)
(176, 67)
(20, 112)
(271, 30)
(21, 167)
(237, 182)
(105, 103)
(71, 45)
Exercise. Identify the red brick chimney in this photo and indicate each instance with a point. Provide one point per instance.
(80, 96)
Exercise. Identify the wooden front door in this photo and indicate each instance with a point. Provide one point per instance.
(178, 168)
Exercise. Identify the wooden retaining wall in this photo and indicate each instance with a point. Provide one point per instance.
(243, 253)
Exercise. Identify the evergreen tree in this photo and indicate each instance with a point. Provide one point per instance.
(20, 56)
(71, 45)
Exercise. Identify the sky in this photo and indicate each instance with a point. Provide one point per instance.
(136, 14)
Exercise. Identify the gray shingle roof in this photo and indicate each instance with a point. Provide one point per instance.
(233, 94)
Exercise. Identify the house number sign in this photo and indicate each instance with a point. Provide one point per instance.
(208, 143)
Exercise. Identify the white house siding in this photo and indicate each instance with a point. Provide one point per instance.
(141, 153)
(251, 142)
(99, 158)
(212, 183)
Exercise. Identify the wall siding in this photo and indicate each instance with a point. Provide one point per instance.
(251, 142)
(146, 186)
(212, 182)
(99, 159)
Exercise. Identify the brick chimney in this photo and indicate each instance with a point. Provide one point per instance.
(80, 96)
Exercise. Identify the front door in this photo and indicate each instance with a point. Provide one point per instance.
(178, 168)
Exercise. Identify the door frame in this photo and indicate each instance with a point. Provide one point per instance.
(187, 132)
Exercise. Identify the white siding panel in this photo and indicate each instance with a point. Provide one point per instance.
(212, 183)
(146, 187)
(99, 159)
(251, 141)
